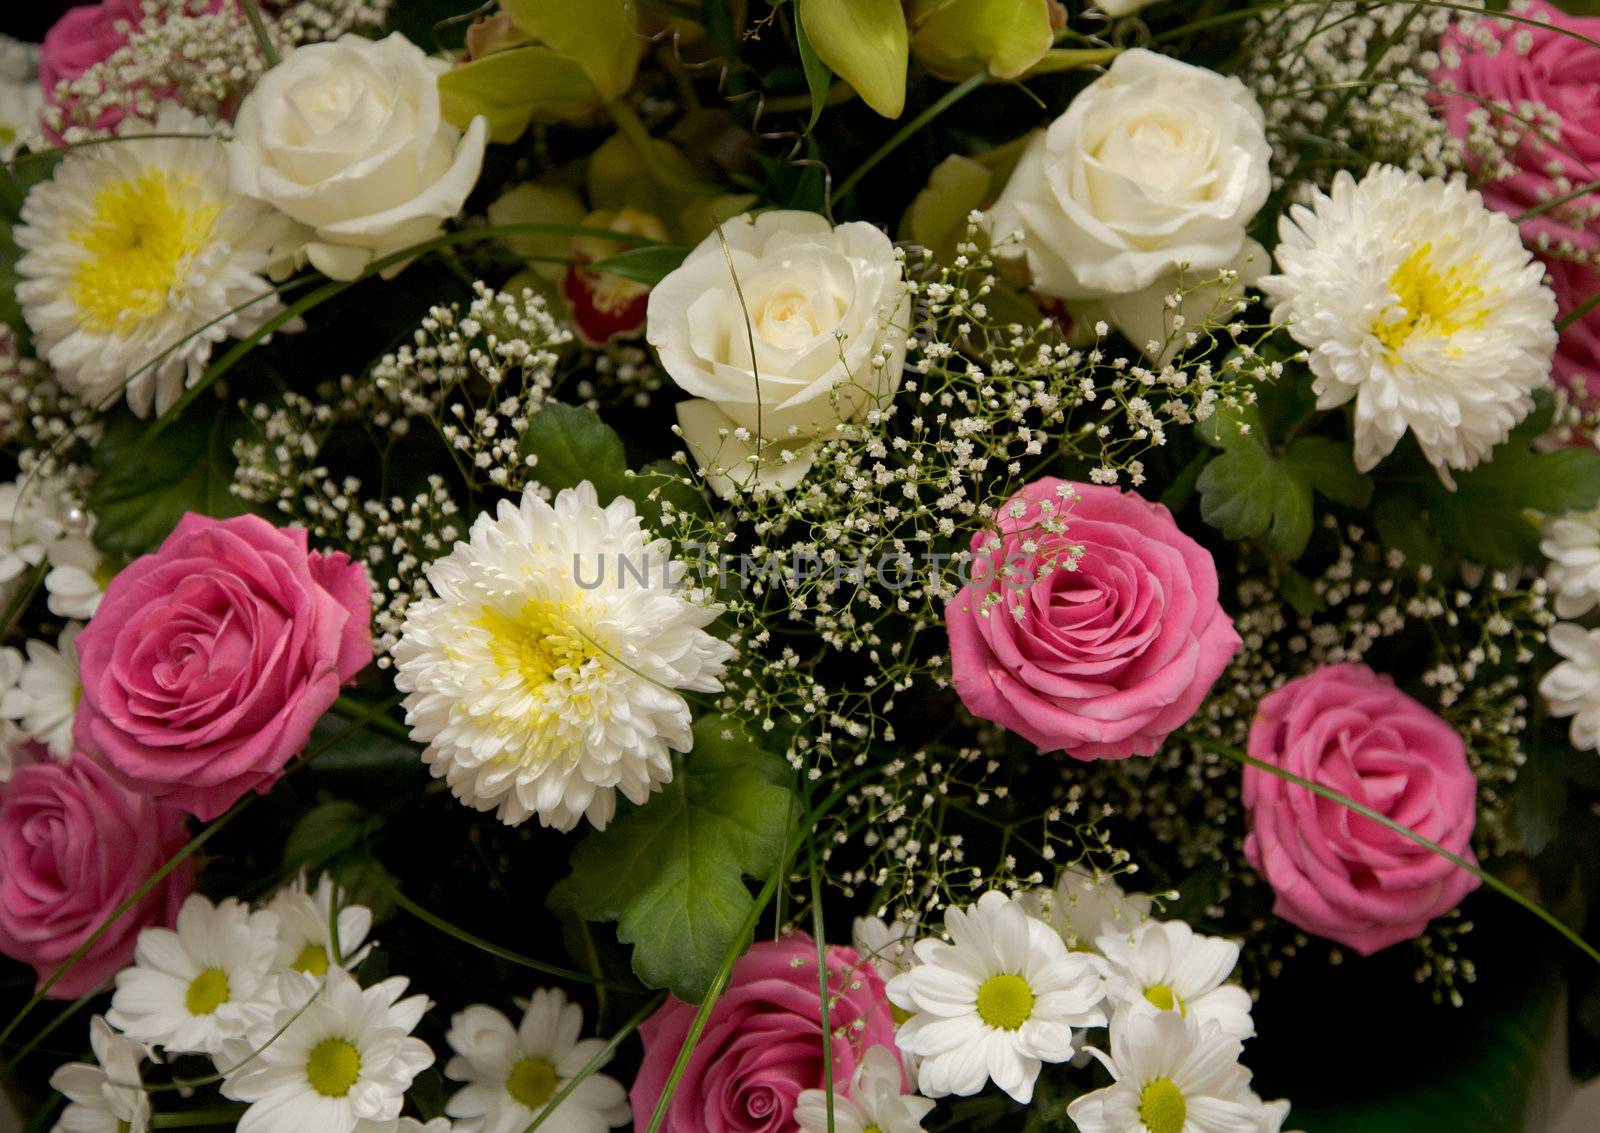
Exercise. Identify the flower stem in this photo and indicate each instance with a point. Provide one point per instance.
(269, 50)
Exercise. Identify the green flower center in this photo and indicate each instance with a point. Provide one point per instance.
(1162, 1108)
(1165, 999)
(1005, 1002)
(313, 960)
(207, 992)
(532, 1082)
(333, 1068)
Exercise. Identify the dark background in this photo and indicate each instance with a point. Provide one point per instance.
(28, 19)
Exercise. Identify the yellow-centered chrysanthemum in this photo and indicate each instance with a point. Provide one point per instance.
(136, 256)
(544, 673)
(1423, 306)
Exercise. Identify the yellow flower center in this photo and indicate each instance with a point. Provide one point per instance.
(1437, 303)
(1005, 1002)
(1162, 1108)
(538, 643)
(139, 241)
(1165, 999)
(207, 992)
(312, 960)
(532, 1082)
(333, 1068)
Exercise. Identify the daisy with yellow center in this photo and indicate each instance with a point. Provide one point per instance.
(1419, 304)
(339, 1055)
(512, 1073)
(1173, 1074)
(1021, 994)
(136, 255)
(1167, 966)
(873, 1102)
(319, 928)
(544, 673)
(201, 983)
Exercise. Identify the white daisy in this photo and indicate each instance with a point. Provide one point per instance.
(342, 1056)
(1173, 1074)
(10, 736)
(106, 1095)
(194, 988)
(78, 577)
(139, 248)
(512, 1073)
(884, 945)
(875, 1102)
(996, 1003)
(542, 677)
(306, 919)
(1572, 688)
(1167, 966)
(1423, 306)
(1571, 543)
(1085, 904)
(21, 96)
(46, 697)
(29, 524)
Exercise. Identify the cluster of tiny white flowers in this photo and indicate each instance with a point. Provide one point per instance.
(1345, 84)
(36, 414)
(204, 60)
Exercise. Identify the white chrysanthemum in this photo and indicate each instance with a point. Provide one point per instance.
(77, 579)
(1422, 305)
(875, 1101)
(29, 524)
(45, 699)
(333, 1058)
(513, 1072)
(306, 920)
(196, 987)
(1572, 688)
(106, 1095)
(886, 946)
(542, 675)
(10, 736)
(996, 1003)
(1173, 1074)
(1571, 543)
(136, 252)
(1167, 966)
(1084, 905)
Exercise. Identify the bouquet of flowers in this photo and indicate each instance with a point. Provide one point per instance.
(741, 566)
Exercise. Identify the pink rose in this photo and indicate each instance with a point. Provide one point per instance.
(1557, 71)
(1336, 873)
(209, 661)
(1577, 360)
(90, 34)
(1102, 658)
(763, 1044)
(74, 845)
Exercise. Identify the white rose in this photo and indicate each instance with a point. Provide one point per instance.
(346, 138)
(1156, 166)
(828, 316)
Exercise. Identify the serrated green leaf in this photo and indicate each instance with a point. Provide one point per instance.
(1246, 494)
(671, 872)
(572, 445)
(818, 74)
(1328, 467)
(142, 492)
(1488, 517)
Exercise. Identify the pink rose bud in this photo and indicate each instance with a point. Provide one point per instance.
(1336, 873)
(210, 660)
(762, 1046)
(74, 846)
(1101, 658)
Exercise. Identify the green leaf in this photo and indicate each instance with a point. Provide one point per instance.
(818, 74)
(324, 834)
(140, 495)
(572, 445)
(364, 756)
(671, 872)
(865, 43)
(1541, 796)
(1328, 467)
(1402, 525)
(1487, 518)
(644, 265)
